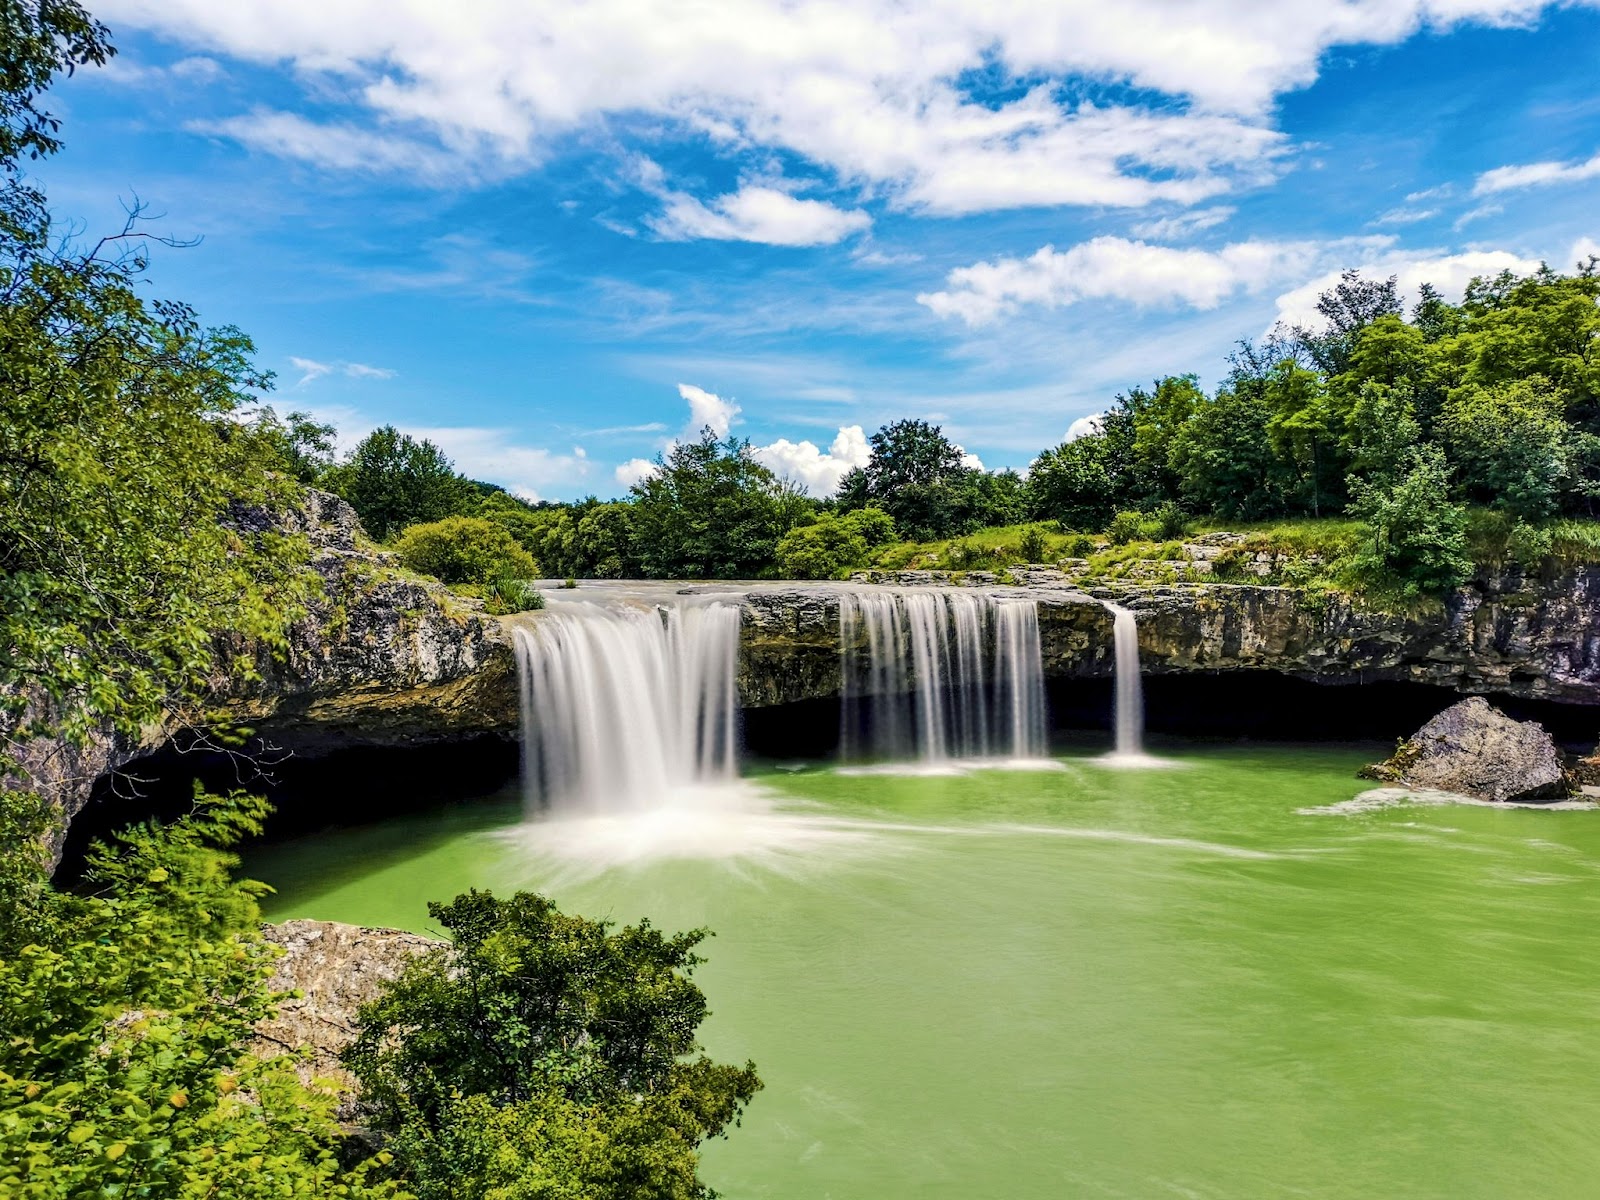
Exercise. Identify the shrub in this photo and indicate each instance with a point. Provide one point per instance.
(1034, 545)
(1529, 545)
(1079, 545)
(832, 545)
(512, 596)
(465, 550)
(1169, 520)
(1125, 527)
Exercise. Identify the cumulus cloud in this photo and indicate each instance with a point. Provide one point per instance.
(819, 473)
(635, 470)
(758, 214)
(873, 93)
(1085, 426)
(1536, 174)
(1114, 268)
(310, 369)
(495, 455)
(708, 408)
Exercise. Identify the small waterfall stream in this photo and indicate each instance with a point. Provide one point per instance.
(622, 703)
(1130, 689)
(936, 676)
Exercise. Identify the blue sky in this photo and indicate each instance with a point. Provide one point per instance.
(554, 236)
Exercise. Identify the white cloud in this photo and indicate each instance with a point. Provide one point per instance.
(804, 463)
(1405, 216)
(758, 214)
(635, 470)
(1449, 273)
(869, 92)
(1114, 268)
(496, 456)
(310, 369)
(1182, 225)
(1536, 174)
(969, 460)
(708, 408)
(1475, 214)
(1085, 426)
(1582, 250)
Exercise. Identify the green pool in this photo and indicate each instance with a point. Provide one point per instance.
(1089, 982)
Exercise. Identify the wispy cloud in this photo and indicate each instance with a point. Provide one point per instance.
(311, 370)
(1535, 174)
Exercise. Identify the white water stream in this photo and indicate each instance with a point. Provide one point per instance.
(937, 676)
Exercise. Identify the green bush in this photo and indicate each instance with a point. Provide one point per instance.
(465, 550)
(1079, 545)
(512, 596)
(1035, 545)
(1125, 527)
(1169, 521)
(545, 1055)
(831, 545)
(1529, 545)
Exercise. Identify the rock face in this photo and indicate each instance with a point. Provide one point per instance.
(1474, 749)
(338, 968)
(1531, 639)
(381, 659)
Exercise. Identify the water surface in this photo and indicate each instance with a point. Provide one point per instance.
(1090, 982)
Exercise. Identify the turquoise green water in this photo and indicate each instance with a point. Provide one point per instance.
(1099, 983)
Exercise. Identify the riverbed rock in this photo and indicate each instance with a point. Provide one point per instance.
(337, 968)
(1473, 749)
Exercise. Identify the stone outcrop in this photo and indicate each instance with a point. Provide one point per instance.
(336, 968)
(381, 658)
(1473, 749)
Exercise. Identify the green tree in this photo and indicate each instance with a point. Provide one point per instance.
(1346, 309)
(1304, 428)
(1156, 417)
(1511, 445)
(128, 1012)
(1417, 536)
(916, 475)
(545, 1055)
(710, 511)
(1224, 458)
(465, 550)
(1380, 432)
(1074, 484)
(392, 480)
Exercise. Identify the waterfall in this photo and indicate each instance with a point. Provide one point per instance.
(940, 675)
(623, 704)
(1130, 693)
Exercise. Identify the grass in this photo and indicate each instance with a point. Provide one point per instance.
(988, 549)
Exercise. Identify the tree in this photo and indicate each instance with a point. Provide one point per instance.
(1074, 484)
(544, 1055)
(1417, 537)
(710, 511)
(1155, 418)
(128, 1012)
(1347, 308)
(1224, 458)
(916, 475)
(1510, 444)
(465, 550)
(392, 480)
(1304, 428)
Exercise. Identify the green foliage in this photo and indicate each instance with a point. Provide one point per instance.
(1074, 483)
(1511, 444)
(711, 511)
(916, 475)
(1417, 541)
(588, 540)
(546, 1055)
(465, 550)
(1125, 527)
(1034, 545)
(831, 546)
(392, 481)
(39, 41)
(125, 1070)
(513, 596)
(1169, 520)
(304, 447)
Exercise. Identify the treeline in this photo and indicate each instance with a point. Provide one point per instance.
(1404, 420)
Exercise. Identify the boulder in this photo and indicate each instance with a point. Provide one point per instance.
(1474, 749)
(337, 968)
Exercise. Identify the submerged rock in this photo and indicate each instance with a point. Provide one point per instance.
(1474, 749)
(338, 968)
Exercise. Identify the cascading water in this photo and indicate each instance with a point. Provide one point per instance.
(622, 704)
(1130, 690)
(941, 675)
